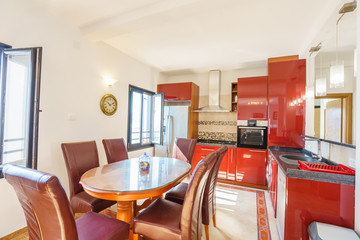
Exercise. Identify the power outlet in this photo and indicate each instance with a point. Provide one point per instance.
(352, 162)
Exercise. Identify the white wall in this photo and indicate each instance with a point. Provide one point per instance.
(71, 89)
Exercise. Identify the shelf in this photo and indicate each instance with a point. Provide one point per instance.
(233, 95)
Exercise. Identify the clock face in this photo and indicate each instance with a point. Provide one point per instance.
(108, 104)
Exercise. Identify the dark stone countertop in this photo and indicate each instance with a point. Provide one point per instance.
(294, 172)
(217, 143)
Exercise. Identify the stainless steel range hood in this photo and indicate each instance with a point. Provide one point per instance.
(214, 94)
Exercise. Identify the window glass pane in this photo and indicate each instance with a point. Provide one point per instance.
(136, 117)
(17, 105)
(146, 123)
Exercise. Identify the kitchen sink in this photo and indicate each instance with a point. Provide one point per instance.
(293, 159)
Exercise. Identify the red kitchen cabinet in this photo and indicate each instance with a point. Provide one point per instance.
(175, 91)
(273, 182)
(307, 201)
(228, 164)
(251, 166)
(252, 98)
(201, 151)
(231, 163)
(286, 103)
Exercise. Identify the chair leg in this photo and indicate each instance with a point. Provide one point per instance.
(214, 220)
(206, 231)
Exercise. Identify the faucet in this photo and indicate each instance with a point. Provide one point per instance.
(318, 155)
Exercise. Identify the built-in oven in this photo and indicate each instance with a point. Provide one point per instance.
(252, 134)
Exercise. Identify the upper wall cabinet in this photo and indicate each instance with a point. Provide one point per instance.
(287, 82)
(252, 98)
(176, 91)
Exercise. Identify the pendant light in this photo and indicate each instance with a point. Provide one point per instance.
(337, 74)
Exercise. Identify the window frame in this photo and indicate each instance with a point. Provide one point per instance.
(134, 147)
(34, 104)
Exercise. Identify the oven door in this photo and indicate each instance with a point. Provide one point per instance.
(252, 137)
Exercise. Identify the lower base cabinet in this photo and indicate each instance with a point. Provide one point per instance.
(239, 164)
(251, 166)
(302, 201)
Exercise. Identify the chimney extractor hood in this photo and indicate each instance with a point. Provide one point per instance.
(214, 94)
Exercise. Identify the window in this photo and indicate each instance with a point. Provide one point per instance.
(19, 105)
(145, 118)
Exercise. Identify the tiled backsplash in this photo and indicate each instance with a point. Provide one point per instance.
(215, 126)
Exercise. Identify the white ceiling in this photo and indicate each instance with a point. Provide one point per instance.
(198, 35)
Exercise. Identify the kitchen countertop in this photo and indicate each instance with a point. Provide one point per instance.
(294, 172)
(217, 143)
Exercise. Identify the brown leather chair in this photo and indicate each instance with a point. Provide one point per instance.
(115, 149)
(80, 157)
(48, 213)
(184, 149)
(165, 219)
(177, 194)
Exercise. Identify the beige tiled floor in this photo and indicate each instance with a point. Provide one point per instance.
(236, 216)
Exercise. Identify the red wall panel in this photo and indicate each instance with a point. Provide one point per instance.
(287, 82)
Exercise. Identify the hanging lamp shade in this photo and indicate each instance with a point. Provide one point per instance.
(337, 77)
(321, 87)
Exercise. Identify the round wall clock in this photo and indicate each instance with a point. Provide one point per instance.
(108, 104)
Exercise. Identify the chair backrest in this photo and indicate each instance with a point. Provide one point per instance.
(208, 208)
(79, 157)
(191, 222)
(115, 149)
(184, 149)
(44, 201)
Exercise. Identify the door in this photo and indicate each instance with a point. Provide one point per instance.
(231, 159)
(333, 120)
(251, 166)
(20, 93)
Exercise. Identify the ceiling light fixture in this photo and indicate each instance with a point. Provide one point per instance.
(337, 75)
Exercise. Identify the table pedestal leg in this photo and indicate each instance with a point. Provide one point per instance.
(125, 213)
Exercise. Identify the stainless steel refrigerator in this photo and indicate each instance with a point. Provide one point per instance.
(176, 124)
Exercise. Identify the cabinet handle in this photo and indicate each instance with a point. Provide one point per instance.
(262, 151)
(207, 149)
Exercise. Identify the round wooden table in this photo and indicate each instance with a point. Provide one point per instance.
(125, 183)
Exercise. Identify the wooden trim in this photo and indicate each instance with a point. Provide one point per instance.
(283, 59)
(349, 109)
(194, 116)
(243, 184)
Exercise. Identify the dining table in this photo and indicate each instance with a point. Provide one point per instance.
(124, 182)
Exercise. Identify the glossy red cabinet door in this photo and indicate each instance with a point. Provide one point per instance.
(223, 170)
(175, 91)
(287, 103)
(200, 153)
(251, 166)
(273, 183)
(252, 98)
(309, 201)
(231, 159)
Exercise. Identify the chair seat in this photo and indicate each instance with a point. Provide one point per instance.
(161, 220)
(83, 202)
(94, 226)
(177, 194)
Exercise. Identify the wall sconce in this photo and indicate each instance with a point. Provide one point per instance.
(321, 87)
(109, 81)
